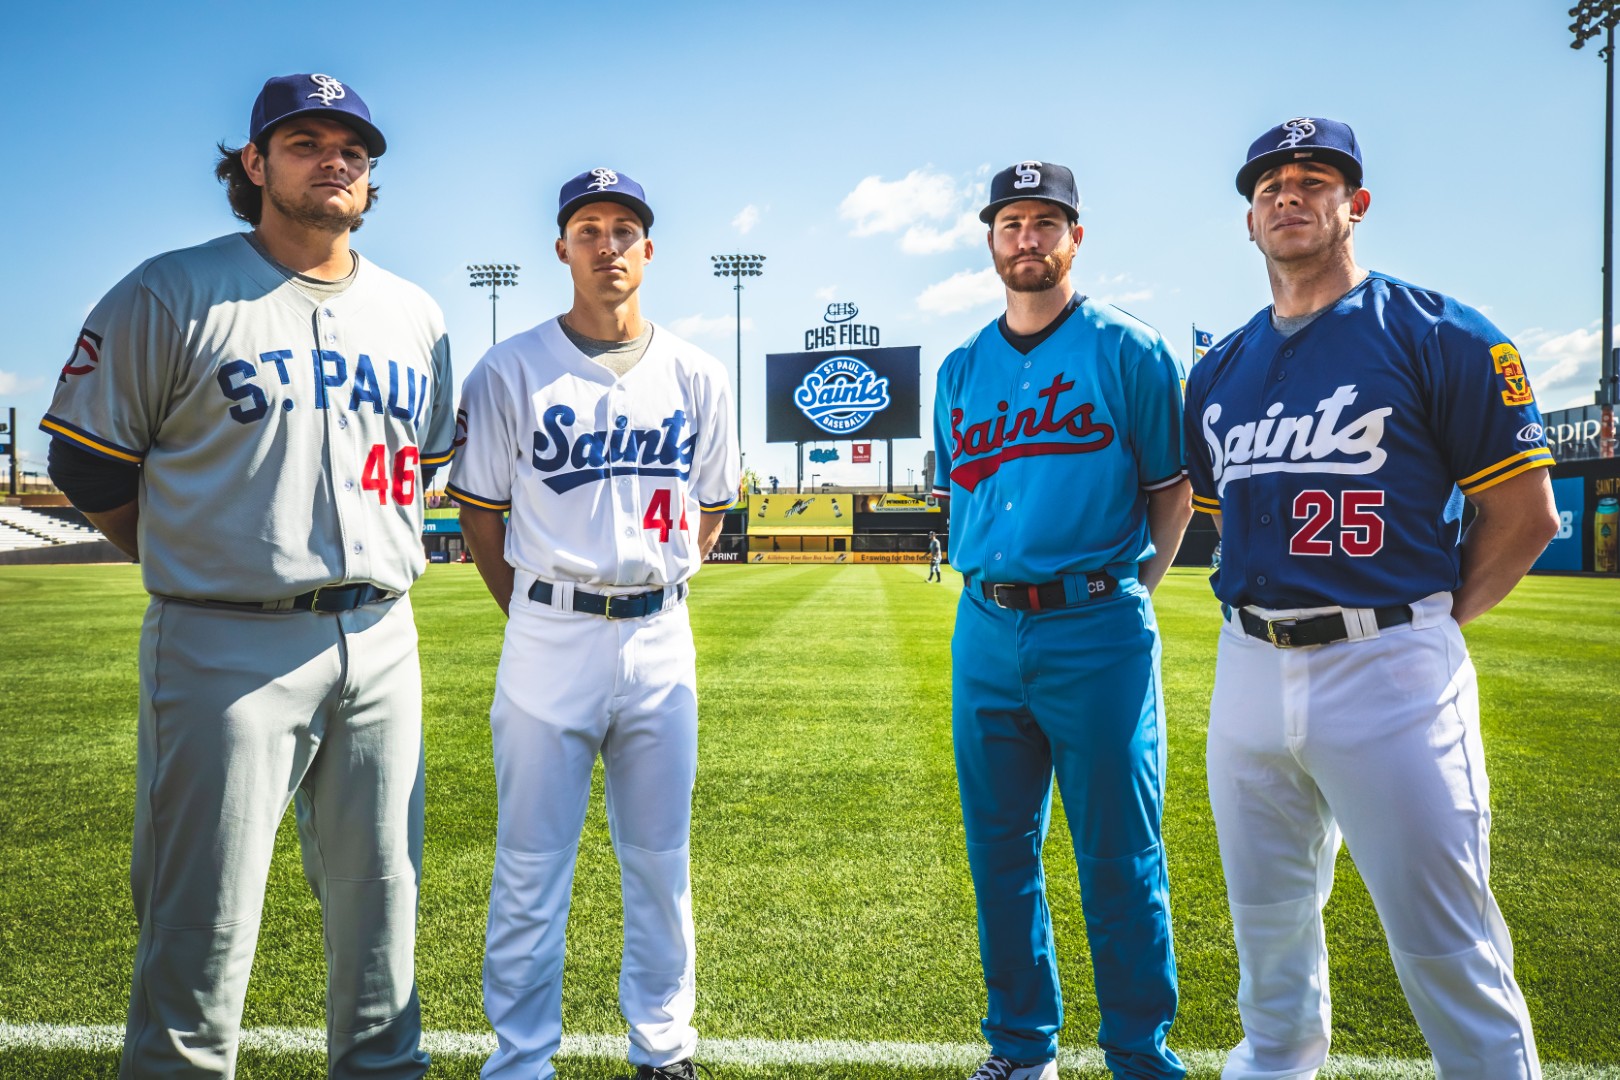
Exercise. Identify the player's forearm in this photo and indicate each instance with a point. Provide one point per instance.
(485, 534)
(1168, 512)
(118, 525)
(709, 526)
(1516, 520)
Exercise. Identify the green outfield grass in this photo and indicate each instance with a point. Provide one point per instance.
(831, 887)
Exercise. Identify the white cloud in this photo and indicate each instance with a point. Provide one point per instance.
(960, 291)
(11, 383)
(1131, 297)
(697, 327)
(745, 221)
(828, 293)
(932, 212)
(1562, 360)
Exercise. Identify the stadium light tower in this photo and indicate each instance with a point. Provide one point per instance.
(739, 267)
(1594, 17)
(494, 275)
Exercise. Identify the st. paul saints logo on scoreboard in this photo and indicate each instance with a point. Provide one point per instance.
(840, 395)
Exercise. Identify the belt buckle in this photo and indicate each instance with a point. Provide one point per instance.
(995, 594)
(1280, 635)
(607, 608)
(315, 598)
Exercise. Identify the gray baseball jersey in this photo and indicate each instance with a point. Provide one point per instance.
(604, 474)
(282, 435)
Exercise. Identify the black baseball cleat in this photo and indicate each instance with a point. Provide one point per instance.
(685, 1069)
(1000, 1068)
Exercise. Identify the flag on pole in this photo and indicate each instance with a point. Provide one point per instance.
(1203, 341)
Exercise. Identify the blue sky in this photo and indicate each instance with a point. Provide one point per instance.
(848, 142)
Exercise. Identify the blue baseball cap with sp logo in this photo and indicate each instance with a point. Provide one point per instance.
(602, 185)
(1303, 138)
(1032, 180)
(286, 96)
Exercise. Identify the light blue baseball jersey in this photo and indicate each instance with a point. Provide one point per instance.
(1048, 456)
(1338, 458)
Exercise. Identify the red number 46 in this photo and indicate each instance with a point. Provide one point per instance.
(374, 477)
(1361, 529)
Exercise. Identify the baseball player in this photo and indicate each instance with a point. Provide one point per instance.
(934, 555)
(1334, 439)
(254, 419)
(1069, 407)
(612, 443)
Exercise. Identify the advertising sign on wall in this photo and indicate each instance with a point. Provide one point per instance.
(819, 397)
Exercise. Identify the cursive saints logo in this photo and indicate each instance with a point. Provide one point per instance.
(1299, 128)
(841, 395)
(572, 459)
(327, 89)
(1029, 174)
(979, 449)
(1298, 444)
(602, 179)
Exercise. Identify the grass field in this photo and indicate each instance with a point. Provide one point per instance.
(831, 888)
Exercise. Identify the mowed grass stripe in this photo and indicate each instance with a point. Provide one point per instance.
(824, 1055)
(831, 890)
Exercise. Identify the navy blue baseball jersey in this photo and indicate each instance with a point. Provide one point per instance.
(1338, 458)
(1047, 457)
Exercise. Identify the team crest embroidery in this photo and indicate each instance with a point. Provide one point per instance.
(1511, 368)
(1029, 175)
(460, 439)
(327, 89)
(841, 395)
(603, 179)
(1299, 128)
(86, 355)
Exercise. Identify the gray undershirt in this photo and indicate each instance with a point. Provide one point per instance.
(617, 356)
(317, 288)
(1289, 325)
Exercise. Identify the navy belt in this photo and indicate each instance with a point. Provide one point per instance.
(1316, 630)
(1046, 596)
(619, 606)
(326, 600)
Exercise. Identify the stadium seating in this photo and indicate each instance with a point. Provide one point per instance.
(21, 528)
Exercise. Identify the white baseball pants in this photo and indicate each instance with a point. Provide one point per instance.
(571, 686)
(1377, 737)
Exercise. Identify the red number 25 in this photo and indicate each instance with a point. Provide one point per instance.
(1361, 531)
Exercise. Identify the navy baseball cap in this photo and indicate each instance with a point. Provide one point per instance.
(1302, 139)
(1032, 180)
(286, 96)
(602, 185)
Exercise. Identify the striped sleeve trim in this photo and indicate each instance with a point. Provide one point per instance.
(1208, 506)
(441, 458)
(474, 500)
(715, 508)
(1160, 485)
(941, 493)
(94, 443)
(1523, 461)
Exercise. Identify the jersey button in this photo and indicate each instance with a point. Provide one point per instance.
(629, 531)
(1027, 363)
(1260, 579)
(348, 485)
(998, 556)
(621, 422)
(1281, 375)
(1025, 386)
(1265, 519)
(328, 313)
(358, 547)
(1287, 353)
(343, 421)
(1007, 507)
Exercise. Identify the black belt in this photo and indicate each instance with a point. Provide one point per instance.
(620, 606)
(326, 600)
(1046, 596)
(1316, 630)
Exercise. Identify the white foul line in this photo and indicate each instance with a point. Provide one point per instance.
(744, 1052)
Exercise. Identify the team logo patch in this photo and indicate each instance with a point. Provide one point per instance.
(602, 179)
(461, 430)
(1029, 175)
(841, 395)
(327, 89)
(86, 355)
(1531, 433)
(1299, 129)
(1511, 368)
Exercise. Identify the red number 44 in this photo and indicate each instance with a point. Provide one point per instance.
(659, 516)
(374, 476)
(1361, 529)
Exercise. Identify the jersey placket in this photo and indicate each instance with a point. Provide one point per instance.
(626, 489)
(348, 454)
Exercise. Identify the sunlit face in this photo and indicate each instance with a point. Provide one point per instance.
(1033, 242)
(1304, 210)
(606, 249)
(314, 172)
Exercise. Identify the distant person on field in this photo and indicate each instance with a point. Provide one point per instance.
(934, 555)
(1055, 657)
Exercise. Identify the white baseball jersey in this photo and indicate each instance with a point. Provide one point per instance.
(281, 436)
(604, 474)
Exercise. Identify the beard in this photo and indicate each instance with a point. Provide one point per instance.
(1022, 278)
(310, 213)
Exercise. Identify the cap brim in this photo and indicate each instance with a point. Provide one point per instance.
(569, 208)
(988, 214)
(376, 145)
(1325, 155)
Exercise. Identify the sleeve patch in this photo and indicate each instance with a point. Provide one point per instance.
(1516, 384)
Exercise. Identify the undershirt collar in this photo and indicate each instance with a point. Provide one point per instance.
(1026, 343)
